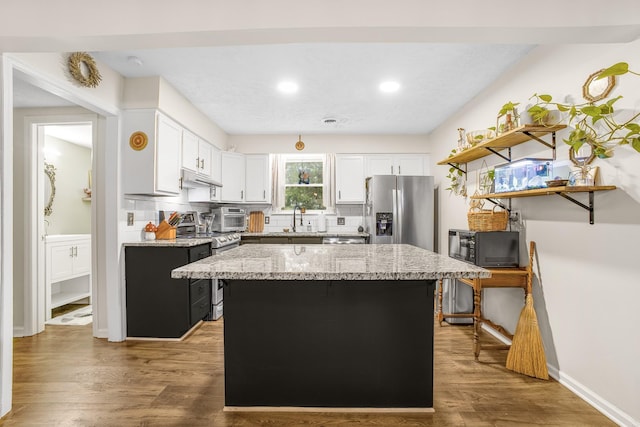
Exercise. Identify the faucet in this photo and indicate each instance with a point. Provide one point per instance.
(294, 217)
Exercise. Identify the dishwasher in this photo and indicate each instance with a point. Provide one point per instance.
(344, 240)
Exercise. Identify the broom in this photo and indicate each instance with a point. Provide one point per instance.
(526, 354)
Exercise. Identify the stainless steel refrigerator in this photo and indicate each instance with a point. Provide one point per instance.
(400, 209)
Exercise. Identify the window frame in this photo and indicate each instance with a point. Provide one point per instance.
(327, 177)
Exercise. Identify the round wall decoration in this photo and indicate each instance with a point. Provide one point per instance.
(84, 69)
(138, 140)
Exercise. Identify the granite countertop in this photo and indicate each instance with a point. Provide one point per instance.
(306, 234)
(178, 243)
(328, 262)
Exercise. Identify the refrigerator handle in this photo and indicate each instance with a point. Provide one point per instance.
(399, 203)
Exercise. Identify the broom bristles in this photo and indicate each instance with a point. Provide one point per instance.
(526, 354)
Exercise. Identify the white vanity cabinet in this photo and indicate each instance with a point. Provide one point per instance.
(396, 164)
(151, 167)
(350, 178)
(67, 270)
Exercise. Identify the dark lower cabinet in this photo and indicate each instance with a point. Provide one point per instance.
(157, 305)
(295, 240)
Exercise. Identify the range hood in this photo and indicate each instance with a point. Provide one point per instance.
(191, 179)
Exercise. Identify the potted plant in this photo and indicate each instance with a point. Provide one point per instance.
(508, 118)
(594, 124)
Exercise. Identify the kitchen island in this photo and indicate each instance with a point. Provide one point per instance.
(329, 326)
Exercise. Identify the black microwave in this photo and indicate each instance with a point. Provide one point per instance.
(485, 248)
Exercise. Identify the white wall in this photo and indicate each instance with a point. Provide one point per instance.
(155, 92)
(69, 214)
(330, 143)
(585, 289)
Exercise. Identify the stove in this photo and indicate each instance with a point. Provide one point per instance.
(222, 240)
(218, 240)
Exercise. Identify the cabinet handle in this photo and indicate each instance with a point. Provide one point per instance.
(391, 170)
(201, 163)
(241, 194)
(75, 251)
(180, 183)
(399, 172)
(264, 194)
(339, 195)
(197, 162)
(71, 251)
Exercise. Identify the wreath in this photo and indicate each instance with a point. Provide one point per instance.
(76, 62)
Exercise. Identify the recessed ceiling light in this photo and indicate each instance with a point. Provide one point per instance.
(288, 87)
(389, 86)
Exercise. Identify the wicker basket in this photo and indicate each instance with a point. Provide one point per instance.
(487, 220)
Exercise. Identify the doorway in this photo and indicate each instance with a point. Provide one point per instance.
(67, 286)
(56, 209)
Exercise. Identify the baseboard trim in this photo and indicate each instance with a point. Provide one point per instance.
(612, 412)
(326, 409)
(18, 331)
(601, 405)
(496, 334)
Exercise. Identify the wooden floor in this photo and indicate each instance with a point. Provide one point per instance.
(65, 377)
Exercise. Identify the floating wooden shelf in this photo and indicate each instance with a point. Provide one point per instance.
(543, 192)
(560, 191)
(506, 140)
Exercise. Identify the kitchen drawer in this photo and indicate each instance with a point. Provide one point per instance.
(199, 252)
(306, 240)
(274, 240)
(200, 309)
(198, 289)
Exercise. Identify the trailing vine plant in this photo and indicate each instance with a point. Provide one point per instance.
(594, 124)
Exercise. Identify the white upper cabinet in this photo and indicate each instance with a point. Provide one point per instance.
(216, 164)
(258, 178)
(151, 153)
(196, 154)
(190, 158)
(233, 177)
(396, 164)
(349, 178)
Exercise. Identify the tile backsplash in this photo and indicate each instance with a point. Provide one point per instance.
(145, 209)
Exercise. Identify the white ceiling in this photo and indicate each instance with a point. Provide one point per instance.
(227, 57)
(236, 86)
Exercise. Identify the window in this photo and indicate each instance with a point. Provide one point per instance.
(303, 180)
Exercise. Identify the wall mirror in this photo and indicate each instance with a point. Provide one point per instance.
(595, 90)
(49, 187)
(583, 156)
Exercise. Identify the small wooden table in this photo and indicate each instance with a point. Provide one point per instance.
(517, 277)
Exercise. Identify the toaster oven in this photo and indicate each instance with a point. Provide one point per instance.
(226, 219)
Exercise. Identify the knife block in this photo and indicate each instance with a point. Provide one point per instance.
(165, 231)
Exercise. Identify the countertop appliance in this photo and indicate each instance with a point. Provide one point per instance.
(400, 209)
(485, 248)
(228, 219)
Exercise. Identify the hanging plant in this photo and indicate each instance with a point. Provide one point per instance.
(457, 179)
(594, 124)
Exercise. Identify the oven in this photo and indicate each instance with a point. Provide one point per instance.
(220, 242)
